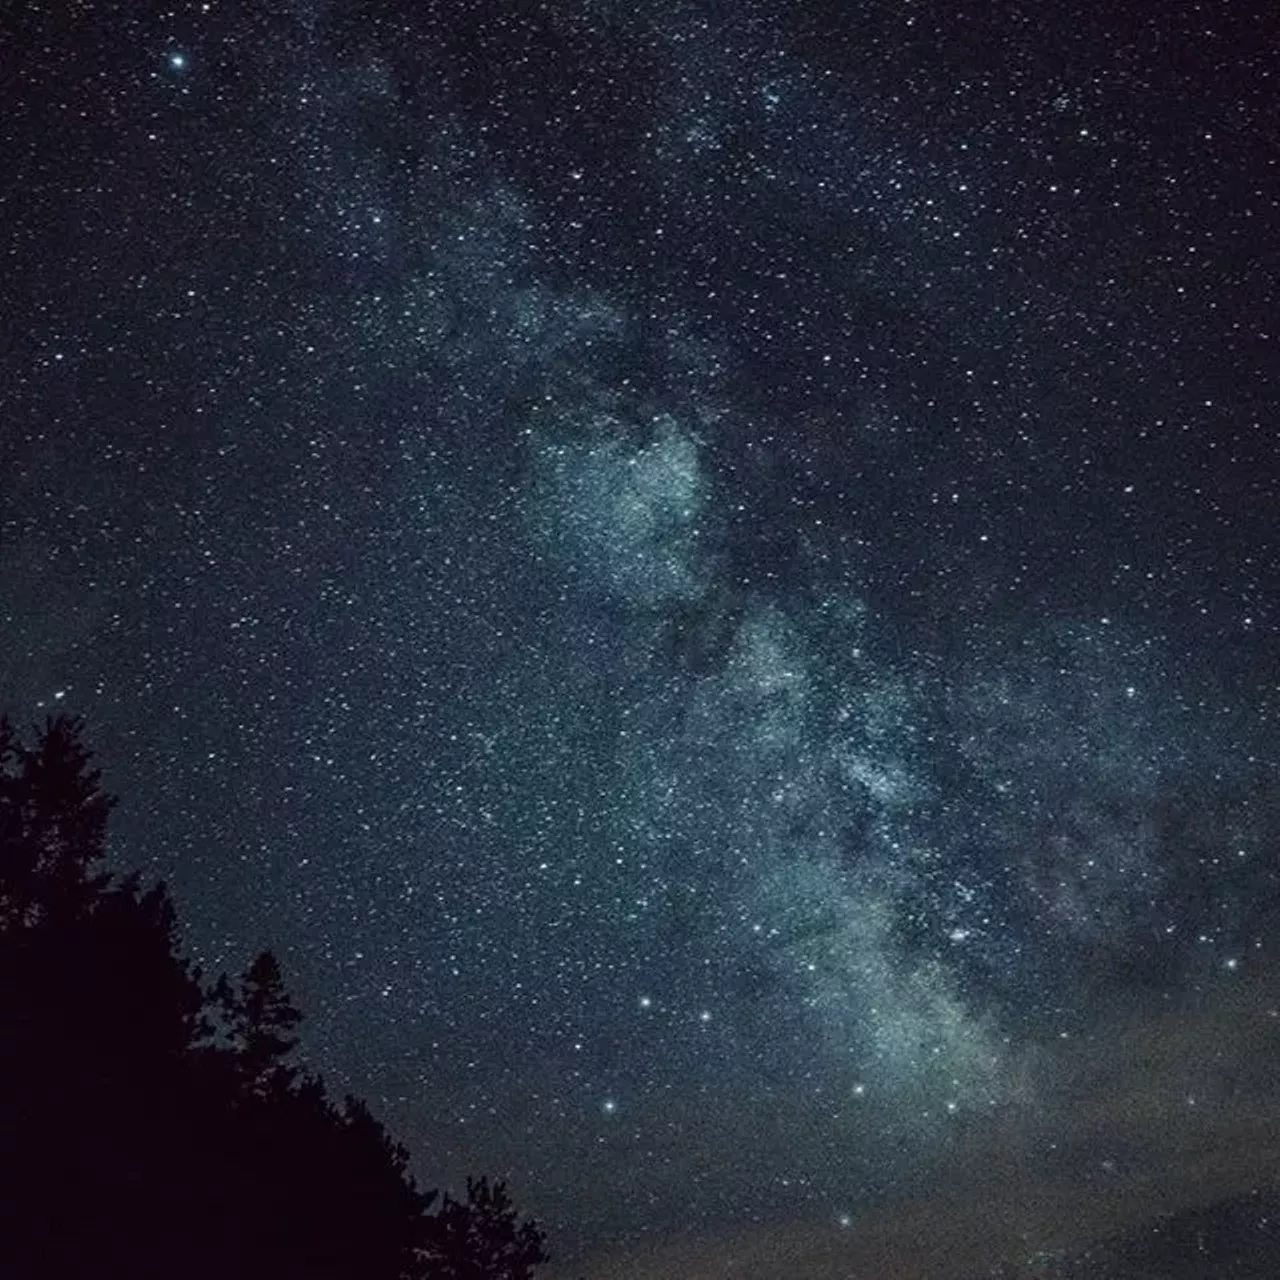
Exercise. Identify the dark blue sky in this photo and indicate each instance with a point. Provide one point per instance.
(706, 574)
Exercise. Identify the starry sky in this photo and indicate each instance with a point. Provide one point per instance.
(704, 573)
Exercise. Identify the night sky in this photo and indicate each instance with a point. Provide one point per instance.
(705, 573)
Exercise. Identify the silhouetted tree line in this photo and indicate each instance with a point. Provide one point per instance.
(153, 1124)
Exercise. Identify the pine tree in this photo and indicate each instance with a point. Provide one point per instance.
(481, 1238)
(260, 1023)
(53, 820)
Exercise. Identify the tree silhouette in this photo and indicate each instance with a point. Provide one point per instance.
(152, 1125)
(53, 821)
(482, 1237)
(259, 1024)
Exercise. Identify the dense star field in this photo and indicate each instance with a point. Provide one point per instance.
(704, 573)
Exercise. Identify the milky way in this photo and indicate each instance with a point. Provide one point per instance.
(705, 577)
